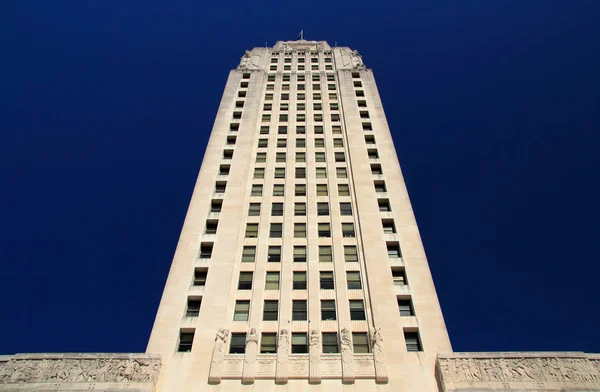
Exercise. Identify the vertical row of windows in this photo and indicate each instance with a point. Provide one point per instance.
(405, 305)
(193, 305)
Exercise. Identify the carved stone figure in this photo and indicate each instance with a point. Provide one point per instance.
(491, 369)
(283, 343)
(356, 60)
(220, 345)
(315, 346)
(218, 354)
(377, 343)
(251, 346)
(551, 369)
(346, 342)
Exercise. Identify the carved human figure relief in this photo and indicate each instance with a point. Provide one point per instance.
(315, 346)
(220, 345)
(251, 346)
(346, 342)
(491, 369)
(283, 343)
(377, 344)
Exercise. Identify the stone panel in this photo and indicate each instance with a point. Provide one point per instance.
(71, 372)
(517, 371)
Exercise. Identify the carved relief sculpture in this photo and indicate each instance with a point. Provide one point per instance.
(347, 356)
(315, 356)
(379, 356)
(250, 357)
(283, 344)
(356, 60)
(216, 367)
(59, 370)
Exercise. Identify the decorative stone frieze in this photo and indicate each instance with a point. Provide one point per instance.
(88, 371)
(518, 371)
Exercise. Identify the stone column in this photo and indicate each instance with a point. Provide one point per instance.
(250, 357)
(314, 376)
(218, 355)
(347, 357)
(283, 344)
(379, 357)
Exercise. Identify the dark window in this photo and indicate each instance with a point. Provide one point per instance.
(324, 230)
(206, 250)
(245, 282)
(327, 310)
(405, 307)
(384, 205)
(277, 209)
(348, 230)
(388, 226)
(345, 209)
(216, 205)
(326, 280)
(193, 307)
(220, 187)
(330, 343)
(299, 343)
(299, 254)
(299, 311)
(248, 254)
(211, 227)
(357, 310)
(238, 343)
(360, 343)
(274, 254)
(267, 344)
(393, 249)
(413, 343)
(300, 172)
(241, 311)
(353, 278)
(252, 230)
(322, 209)
(299, 281)
(254, 209)
(271, 311)
(185, 342)
(276, 230)
(200, 277)
(300, 209)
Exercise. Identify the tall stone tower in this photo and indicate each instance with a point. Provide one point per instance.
(300, 262)
(300, 265)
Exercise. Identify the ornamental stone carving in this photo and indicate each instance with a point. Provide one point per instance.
(218, 354)
(315, 357)
(283, 344)
(250, 357)
(523, 371)
(379, 356)
(347, 356)
(80, 368)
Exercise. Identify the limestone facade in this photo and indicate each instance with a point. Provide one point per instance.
(300, 124)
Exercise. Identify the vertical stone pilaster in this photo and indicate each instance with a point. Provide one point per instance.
(250, 357)
(283, 346)
(218, 355)
(347, 357)
(314, 375)
(381, 376)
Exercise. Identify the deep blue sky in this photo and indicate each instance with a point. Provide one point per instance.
(106, 108)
